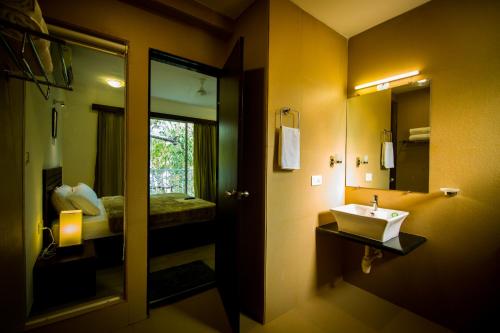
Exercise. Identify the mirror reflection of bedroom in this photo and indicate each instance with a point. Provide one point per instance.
(182, 181)
(74, 182)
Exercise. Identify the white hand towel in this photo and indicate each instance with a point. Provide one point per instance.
(289, 148)
(420, 137)
(387, 159)
(420, 130)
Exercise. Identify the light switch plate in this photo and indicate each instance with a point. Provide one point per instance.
(368, 177)
(316, 180)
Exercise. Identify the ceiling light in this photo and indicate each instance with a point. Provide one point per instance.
(115, 83)
(387, 80)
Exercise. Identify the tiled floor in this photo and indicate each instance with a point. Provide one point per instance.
(345, 309)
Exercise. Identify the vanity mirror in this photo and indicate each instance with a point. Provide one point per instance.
(388, 135)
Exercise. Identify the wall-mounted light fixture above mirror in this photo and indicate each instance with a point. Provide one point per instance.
(388, 135)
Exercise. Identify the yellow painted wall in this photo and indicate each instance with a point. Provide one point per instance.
(42, 151)
(453, 278)
(367, 116)
(307, 72)
(142, 30)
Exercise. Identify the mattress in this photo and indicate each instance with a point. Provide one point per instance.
(166, 210)
(93, 227)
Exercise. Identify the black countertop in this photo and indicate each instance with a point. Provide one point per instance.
(401, 245)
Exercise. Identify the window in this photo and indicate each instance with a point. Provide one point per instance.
(171, 157)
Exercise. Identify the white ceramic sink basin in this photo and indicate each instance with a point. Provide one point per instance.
(380, 225)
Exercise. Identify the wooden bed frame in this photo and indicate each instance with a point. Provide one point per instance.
(109, 249)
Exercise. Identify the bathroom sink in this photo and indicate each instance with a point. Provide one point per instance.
(380, 225)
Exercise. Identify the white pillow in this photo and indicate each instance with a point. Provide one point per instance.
(60, 199)
(84, 198)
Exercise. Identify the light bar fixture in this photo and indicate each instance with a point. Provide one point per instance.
(387, 80)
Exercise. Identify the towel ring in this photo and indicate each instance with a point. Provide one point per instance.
(385, 134)
(286, 111)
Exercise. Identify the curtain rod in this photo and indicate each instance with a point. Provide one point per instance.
(107, 108)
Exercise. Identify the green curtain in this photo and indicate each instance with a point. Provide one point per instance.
(205, 161)
(110, 151)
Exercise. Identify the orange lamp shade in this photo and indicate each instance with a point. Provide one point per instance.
(70, 228)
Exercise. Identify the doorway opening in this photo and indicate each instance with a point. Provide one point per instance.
(182, 178)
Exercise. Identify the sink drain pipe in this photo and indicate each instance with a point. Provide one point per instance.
(369, 258)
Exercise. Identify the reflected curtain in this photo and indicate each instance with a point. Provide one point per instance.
(205, 161)
(110, 150)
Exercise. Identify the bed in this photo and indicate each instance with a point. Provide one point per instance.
(176, 221)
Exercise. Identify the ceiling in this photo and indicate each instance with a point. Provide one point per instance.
(181, 85)
(91, 69)
(351, 17)
(229, 8)
(347, 17)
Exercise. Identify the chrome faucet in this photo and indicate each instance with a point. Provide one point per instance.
(375, 202)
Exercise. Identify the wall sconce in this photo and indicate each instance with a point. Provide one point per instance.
(70, 228)
(334, 160)
(384, 83)
(360, 161)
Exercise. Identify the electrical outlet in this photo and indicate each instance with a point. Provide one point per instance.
(40, 227)
(316, 180)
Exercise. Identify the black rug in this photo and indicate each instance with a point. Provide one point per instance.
(175, 283)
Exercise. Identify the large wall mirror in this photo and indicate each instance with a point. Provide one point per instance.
(388, 135)
(74, 184)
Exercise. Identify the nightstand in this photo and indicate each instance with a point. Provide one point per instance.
(66, 277)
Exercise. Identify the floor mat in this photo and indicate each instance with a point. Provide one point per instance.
(175, 283)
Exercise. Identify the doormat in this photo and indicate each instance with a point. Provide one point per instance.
(175, 283)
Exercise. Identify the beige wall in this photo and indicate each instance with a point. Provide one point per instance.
(453, 278)
(367, 116)
(44, 152)
(142, 30)
(166, 106)
(307, 72)
(79, 131)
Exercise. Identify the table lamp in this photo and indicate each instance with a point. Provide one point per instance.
(70, 228)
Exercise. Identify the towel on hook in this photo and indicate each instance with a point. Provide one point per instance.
(420, 130)
(387, 156)
(289, 148)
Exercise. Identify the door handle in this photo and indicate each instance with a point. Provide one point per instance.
(229, 194)
(237, 194)
(242, 195)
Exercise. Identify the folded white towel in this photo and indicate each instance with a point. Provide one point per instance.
(387, 156)
(289, 148)
(420, 137)
(420, 130)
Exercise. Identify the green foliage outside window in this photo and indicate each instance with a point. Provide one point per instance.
(168, 156)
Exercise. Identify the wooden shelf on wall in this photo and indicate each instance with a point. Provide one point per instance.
(401, 245)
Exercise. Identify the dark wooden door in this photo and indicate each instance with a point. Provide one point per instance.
(229, 196)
